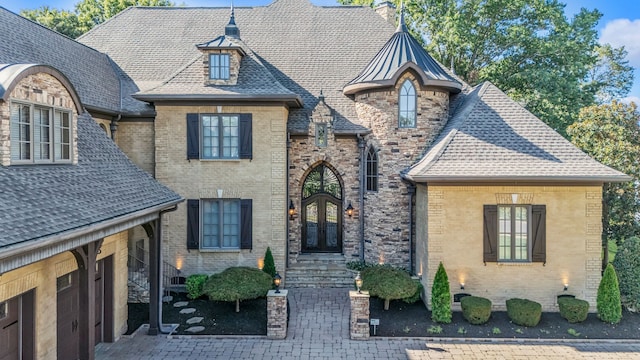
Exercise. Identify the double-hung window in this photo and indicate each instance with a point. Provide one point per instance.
(220, 137)
(40, 134)
(219, 66)
(219, 224)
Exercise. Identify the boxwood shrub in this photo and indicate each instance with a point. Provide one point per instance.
(388, 283)
(194, 284)
(524, 312)
(236, 284)
(572, 309)
(476, 310)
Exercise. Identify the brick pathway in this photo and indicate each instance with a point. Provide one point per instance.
(318, 329)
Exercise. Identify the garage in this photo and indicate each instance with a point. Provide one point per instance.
(17, 328)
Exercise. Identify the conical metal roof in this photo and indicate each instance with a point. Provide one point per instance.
(400, 53)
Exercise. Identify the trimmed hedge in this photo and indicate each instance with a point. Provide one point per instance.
(388, 283)
(415, 297)
(194, 285)
(441, 297)
(572, 309)
(236, 284)
(269, 266)
(627, 265)
(608, 302)
(524, 312)
(476, 310)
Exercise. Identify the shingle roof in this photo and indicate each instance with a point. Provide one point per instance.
(493, 138)
(307, 48)
(91, 72)
(43, 200)
(401, 52)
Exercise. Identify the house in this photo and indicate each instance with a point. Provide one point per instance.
(330, 135)
(70, 198)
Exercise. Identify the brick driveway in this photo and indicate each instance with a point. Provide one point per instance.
(318, 329)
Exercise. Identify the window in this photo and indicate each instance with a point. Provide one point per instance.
(321, 135)
(407, 105)
(213, 136)
(219, 66)
(4, 310)
(219, 224)
(515, 233)
(372, 170)
(64, 282)
(40, 134)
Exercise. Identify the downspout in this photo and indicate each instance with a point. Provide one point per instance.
(286, 206)
(114, 126)
(411, 188)
(361, 145)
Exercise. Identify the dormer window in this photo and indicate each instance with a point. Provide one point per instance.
(219, 66)
(407, 105)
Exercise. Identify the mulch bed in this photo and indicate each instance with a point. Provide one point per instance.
(220, 318)
(414, 320)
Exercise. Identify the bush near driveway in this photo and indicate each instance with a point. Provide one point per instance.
(237, 284)
(524, 312)
(476, 310)
(388, 283)
(572, 309)
(608, 302)
(441, 297)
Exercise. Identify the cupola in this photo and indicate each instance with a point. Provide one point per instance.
(402, 52)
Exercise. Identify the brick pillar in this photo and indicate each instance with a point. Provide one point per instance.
(277, 314)
(359, 322)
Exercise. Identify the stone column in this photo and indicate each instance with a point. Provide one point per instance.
(359, 320)
(277, 314)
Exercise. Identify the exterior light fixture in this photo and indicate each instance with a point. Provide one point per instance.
(358, 282)
(349, 210)
(292, 210)
(566, 287)
(277, 279)
(461, 286)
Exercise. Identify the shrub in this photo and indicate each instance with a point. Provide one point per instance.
(269, 265)
(627, 265)
(524, 312)
(416, 296)
(357, 265)
(237, 284)
(572, 309)
(388, 283)
(608, 302)
(476, 310)
(441, 297)
(194, 284)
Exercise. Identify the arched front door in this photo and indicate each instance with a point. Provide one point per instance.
(322, 211)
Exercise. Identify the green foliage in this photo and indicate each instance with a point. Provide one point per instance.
(524, 312)
(269, 265)
(608, 302)
(627, 265)
(357, 265)
(462, 330)
(237, 284)
(476, 310)
(573, 332)
(416, 296)
(496, 331)
(194, 285)
(88, 13)
(441, 297)
(434, 329)
(388, 283)
(572, 309)
(610, 134)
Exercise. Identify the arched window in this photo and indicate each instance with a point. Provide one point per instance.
(322, 180)
(407, 105)
(372, 170)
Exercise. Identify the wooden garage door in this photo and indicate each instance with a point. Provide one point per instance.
(10, 329)
(67, 323)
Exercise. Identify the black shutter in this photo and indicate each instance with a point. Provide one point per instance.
(246, 223)
(490, 241)
(539, 233)
(193, 136)
(193, 224)
(246, 134)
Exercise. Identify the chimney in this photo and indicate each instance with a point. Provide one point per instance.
(387, 10)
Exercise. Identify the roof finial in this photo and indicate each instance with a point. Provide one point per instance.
(231, 29)
(402, 27)
(321, 97)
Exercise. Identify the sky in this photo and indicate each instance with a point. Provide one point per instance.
(619, 25)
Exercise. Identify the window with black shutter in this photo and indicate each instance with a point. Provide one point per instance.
(219, 224)
(514, 233)
(219, 136)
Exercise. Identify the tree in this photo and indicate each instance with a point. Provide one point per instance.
(88, 13)
(269, 265)
(627, 265)
(610, 134)
(236, 284)
(441, 297)
(388, 283)
(528, 48)
(608, 301)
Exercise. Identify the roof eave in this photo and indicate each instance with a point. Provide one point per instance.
(516, 178)
(290, 100)
(351, 89)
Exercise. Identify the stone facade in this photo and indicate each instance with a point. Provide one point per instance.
(41, 277)
(39, 89)
(450, 230)
(277, 314)
(262, 179)
(359, 315)
(234, 67)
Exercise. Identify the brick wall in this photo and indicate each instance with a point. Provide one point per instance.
(136, 139)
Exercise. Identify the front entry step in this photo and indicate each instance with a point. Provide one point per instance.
(319, 271)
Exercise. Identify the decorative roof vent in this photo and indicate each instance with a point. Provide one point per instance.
(400, 53)
(231, 29)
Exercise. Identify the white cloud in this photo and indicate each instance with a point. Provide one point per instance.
(630, 99)
(625, 32)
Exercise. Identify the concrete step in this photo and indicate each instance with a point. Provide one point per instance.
(320, 258)
(313, 272)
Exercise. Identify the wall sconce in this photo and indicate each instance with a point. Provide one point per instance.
(358, 282)
(566, 287)
(461, 286)
(292, 210)
(260, 263)
(277, 279)
(349, 210)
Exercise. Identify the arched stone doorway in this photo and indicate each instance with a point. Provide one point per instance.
(322, 211)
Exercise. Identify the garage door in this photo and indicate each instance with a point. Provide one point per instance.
(67, 324)
(16, 328)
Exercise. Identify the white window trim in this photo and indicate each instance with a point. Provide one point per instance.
(220, 248)
(53, 144)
